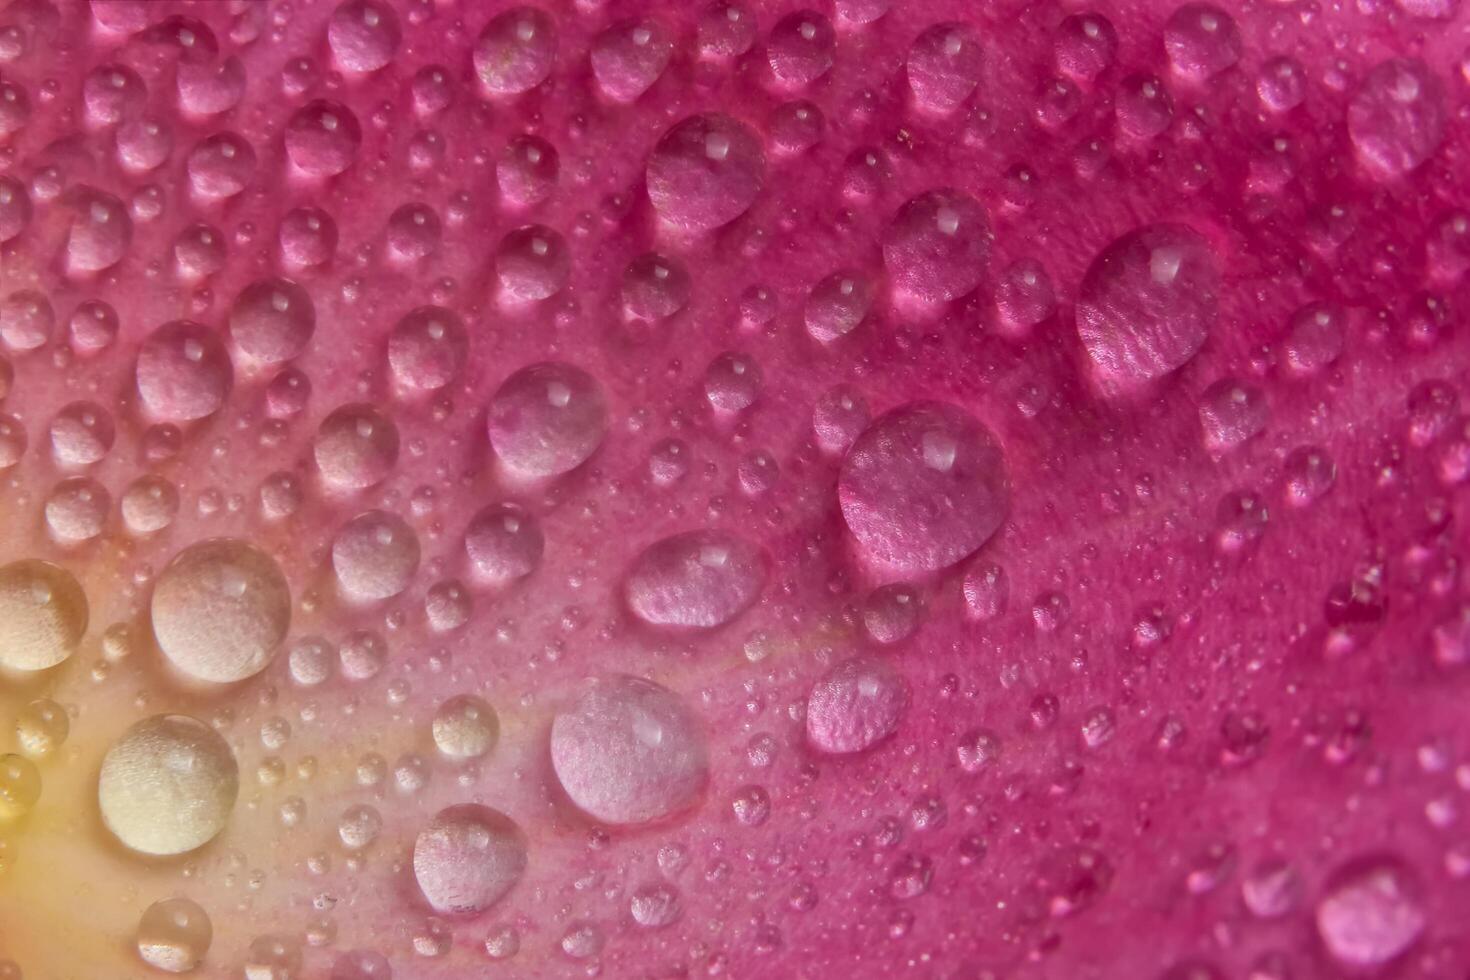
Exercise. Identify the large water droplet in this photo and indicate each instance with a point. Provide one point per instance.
(924, 486)
(220, 610)
(547, 419)
(629, 751)
(698, 579)
(705, 172)
(43, 615)
(1148, 302)
(168, 785)
(855, 705)
(467, 858)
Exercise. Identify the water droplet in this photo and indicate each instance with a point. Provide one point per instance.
(1143, 107)
(655, 905)
(465, 727)
(427, 348)
(221, 609)
(174, 935)
(1370, 913)
(183, 372)
(532, 263)
(944, 66)
(800, 49)
(628, 751)
(838, 304)
(855, 705)
(356, 447)
(322, 138)
(43, 615)
(705, 172)
(168, 785)
(1202, 41)
(924, 486)
(220, 166)
(468, 858)
(696, 580)
(1148, 302)
(1085, 46)
(515, 52)
(629, 57)
(363, 35)
(547, 419)
(375, 556)
(504, 543)
(26, 320)
(272, 320)
(1230, 413)
(1396, 118)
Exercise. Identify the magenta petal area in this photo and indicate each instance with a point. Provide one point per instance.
(755, 489)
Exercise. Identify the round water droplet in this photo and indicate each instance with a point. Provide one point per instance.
(891, 613)
(76, 510)
(838, 304)
(468, 858)
(356, 447)
(112, 93)
(1024, 297)
(732, 383)
(516, 51)
(26, 320)
(924, 486)
(696, 580)
(174, 935)
(532, 263)
(1396, 118)
(375, 556)
(414, 232)
(528, 172)
(655, 287)
(629, 57)
(1371, 913)
(855, 705)
(1202, 41)
(1281, 84)
(1147, 302)
(427, 348)
(629, 751)
(1143, 107)
(839, 417)
(795, 127)
(363, 35)
(800, 49)
(93, 327)
(937, 245)
(359, 826)
(726, 30)
(705, 172)
(149, 504)
(1085, 46)
(220, 166)
(184, 372)
(1230, 413)
(547, 419)
(43, 614)
(504, 543)
(1314, 338)
(81, 434)
(168, 785)
(944, 66)
(144, 144)
(272, 320)
(465, 727)
(322, 138)
(655, 905)
(41, 727)
(199, 252)
(220, 610)
(307, 238)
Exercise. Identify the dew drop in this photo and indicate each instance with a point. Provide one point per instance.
(167, 785)
(628, 751)
(220, 610)
(855, 705)
(468, 858)
(696, 580)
